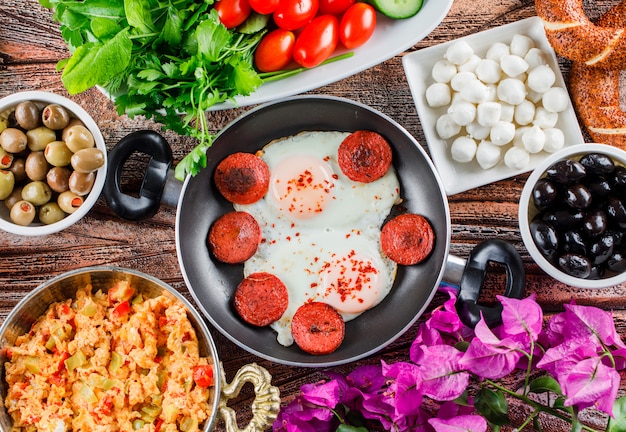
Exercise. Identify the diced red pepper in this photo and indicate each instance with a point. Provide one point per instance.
(203, 375)
(157, 426)
(56, 379)
(121, 291)
(121, 310)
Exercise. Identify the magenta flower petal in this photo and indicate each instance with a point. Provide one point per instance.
(521, 317)
(489, 361)
(597, 321)
(322, 394)
(591, 383)
(425, 336)
(443, 377)
(464, 423)
(559, 360)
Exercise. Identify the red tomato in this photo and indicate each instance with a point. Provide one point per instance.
(334, 7)
(293, 14)
(203, 375)
(357, 25)
(317, 41)
(264, 6)
(121, 309)
(275, 50)
(232, 12)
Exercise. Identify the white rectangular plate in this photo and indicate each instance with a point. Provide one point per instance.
(458, 177)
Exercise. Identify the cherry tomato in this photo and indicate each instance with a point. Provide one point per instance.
(232, 12)
(203, 375)
(317, 41)
(334, 7)
(357, 25)
(275, 50)
(264, 6)
(293, 14)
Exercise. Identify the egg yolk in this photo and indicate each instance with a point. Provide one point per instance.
(351, 283)
(301, 186)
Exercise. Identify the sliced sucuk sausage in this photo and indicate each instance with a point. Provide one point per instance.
(234, 237)
(407, 239)
(261, 298)
(317, 328)
(242, 178)
(364, 156)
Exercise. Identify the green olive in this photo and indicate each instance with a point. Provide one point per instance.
(39, 137)
(78, 137)
(14, 197)
(82, 183)
(22, 213)
(55, 116)
(69, 201)
(18, 168)
(50, 213)
(36, 166)
(6, 158)
(13, 140)
(27, 115)
(88, 160)
(7, 183)
(73, 122)
(58, 154)
(37, 192)
(58, 179)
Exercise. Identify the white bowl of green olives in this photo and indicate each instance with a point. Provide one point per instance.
(52, 163)
(572, 215)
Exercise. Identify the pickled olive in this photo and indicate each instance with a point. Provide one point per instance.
(573, 242)
(50, 213)
(73, 122)
(599, 187)
(58, 154)
(6, 158)
(38, 138)
(55, 116)
(78, 137)
(566, 171)
(14, 197)
(575, 265)
(13, 140)
(563, 219)
(69, 201)
(618, 177)
(544, 193)
(601, 249)
(594, 223)
(36, 166)
(82, 183)
(18, 168)
(578, 196)
(617, 262)
(617, 212)
(7, 182)
(58, 179)
(22, 213)
(27, 115)
(596, 163)
(87, 160)
(37, 193)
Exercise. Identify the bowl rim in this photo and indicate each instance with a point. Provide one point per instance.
(525, 208)
(49, 97)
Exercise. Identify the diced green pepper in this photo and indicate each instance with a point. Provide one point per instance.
(116, 362)
(87, 393)
(32, 364)
(138, 424)
(77, 360)
(89, 309)
(152, 410)
(188, 424)
(101, 382)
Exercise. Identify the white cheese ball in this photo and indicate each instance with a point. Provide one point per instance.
(555, 140)
(488, 71)
(459, 52)
(493, 93)
(545, 119)
(446, 127)
(534, 139)
(516, 158)
(502, 133)
(511, 91)
(508, 112)
(443, 71)
(460, 80)
(462, 113)
(488, 113)
(524, 113)
(438, 95)
(521, 44)
(535, 57)
(555, 100)
(477, 131)
(534, 96)
(469, 64)
(519, 133)
(463, 149)
(497, 50)
(474, 91)
(541, 78)
(488, 154)
(513, 65)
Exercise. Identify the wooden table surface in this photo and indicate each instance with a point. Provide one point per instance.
(31, 45)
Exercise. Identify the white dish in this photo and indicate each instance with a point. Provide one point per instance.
(458, 177)
(390, 38)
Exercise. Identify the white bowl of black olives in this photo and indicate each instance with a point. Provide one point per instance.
(52, 163)
(572, 215)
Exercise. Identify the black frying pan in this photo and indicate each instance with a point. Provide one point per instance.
(212, 283)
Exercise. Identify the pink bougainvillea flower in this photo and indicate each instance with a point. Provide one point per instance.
(442, 376)
(464, 423)
(560, 359)
(521, 317)
(596, 321)
(406, 386)
(325, 394)
(299, 416)
(446, 319)
(425, 336)
(591, 383)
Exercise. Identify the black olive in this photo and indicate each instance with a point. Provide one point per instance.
(564, 219)
(544, 193)
(595, 223)
(578, 196)
(618, 178)
(618, 237)
(617, 212)
(601, 250)
(573, 242)
(597, 272)
(566, 171)
(575, 265)
(596, 163)
(545, 238)
(598, 186)
(617, 262)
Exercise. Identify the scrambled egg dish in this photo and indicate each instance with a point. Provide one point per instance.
(109, 362)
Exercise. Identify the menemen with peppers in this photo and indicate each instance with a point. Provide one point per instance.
(109, 361)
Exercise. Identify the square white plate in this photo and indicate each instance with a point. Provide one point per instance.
(458, 177)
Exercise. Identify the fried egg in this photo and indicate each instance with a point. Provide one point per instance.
(321, 230)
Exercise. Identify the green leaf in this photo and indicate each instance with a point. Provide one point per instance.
(545, 384)
(96, 8)
(211, 38)
(348, 428)
(493, 406)
(173, 28)
(139, 16)
(104, 28)
(617, 423)
(97, 63)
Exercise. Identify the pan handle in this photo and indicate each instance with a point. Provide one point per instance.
(470, 279)
(154, 181)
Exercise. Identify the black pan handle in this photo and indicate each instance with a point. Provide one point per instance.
(498, 251)
(147, 203)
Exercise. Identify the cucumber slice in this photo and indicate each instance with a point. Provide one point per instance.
(397, 9)
(254, 23)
